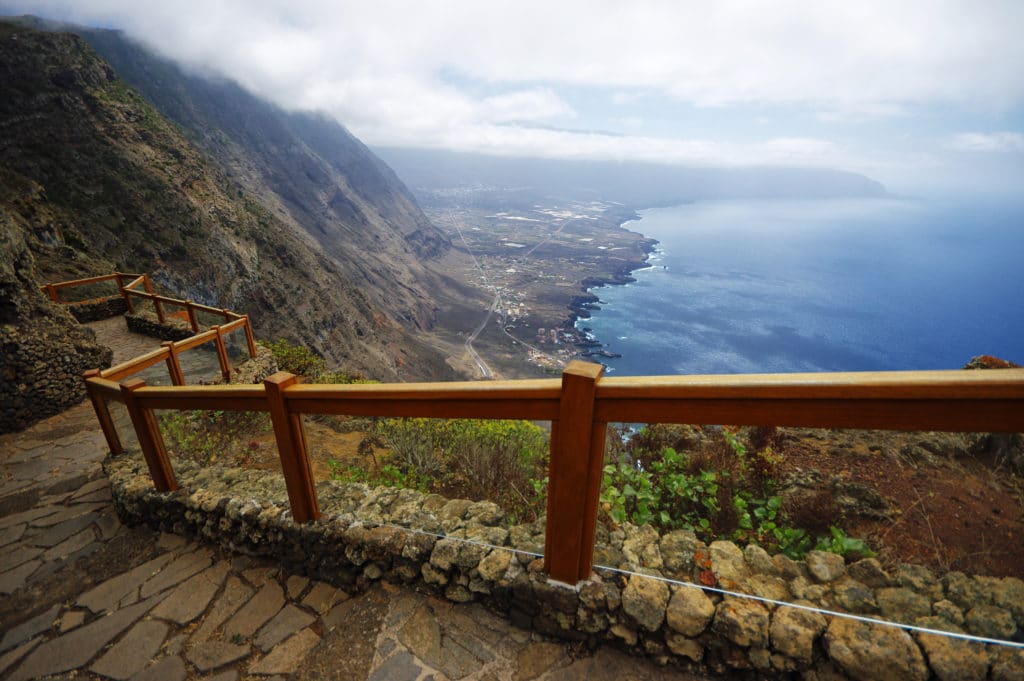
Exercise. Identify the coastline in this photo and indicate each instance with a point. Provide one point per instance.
(587, 302)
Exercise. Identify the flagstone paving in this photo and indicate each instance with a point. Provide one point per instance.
(83, 595)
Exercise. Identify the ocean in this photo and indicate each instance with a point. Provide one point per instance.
(819, 285)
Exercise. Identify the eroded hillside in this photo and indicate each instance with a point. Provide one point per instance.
(106, 182)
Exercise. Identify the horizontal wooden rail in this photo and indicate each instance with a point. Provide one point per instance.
(135, 365)
(917, 400)
(535, 400)
(83, 282)
(193, 307)
(213, 397)
(195, 341)
(238, 322)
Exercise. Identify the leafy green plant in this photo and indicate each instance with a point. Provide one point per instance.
(666, 495)
(722, 487)
(387, 476)
(848, 547)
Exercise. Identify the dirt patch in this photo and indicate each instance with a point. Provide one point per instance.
(951, 509)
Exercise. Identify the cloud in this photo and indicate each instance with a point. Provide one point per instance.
(525, 105)
(991, 142)
(528, 77)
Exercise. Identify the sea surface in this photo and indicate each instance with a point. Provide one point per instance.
(819, 285)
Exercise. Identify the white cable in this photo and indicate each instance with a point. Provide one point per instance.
(823, 611)
(734, 594)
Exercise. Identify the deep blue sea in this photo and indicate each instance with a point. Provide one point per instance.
(820, 285)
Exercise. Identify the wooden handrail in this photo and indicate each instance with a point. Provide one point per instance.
(851, 385)
(135, 365)
(233, 321)
(221, 312)
(579, 407)
(195, 341)
(83, 282)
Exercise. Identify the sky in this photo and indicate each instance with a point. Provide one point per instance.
(923, 96)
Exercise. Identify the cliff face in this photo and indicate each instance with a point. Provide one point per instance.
(309, 171)
(100, 180)
(43, 350)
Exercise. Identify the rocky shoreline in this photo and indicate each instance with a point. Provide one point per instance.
(587, 302)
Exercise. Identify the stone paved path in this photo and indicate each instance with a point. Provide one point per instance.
(83, 596)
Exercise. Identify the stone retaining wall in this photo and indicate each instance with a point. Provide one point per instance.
(362, 538)
(147, 324)
(95, 310)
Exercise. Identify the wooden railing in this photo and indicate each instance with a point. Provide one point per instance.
(169, 351)
(128, 292)
(579, 406)
(53, 290)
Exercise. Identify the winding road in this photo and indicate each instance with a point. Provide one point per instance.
(485, 371)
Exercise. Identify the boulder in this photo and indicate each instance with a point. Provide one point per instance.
(871, 652)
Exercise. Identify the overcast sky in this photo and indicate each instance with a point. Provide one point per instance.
(914, 94)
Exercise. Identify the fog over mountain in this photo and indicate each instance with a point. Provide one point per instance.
(636, 184)
(924, 97)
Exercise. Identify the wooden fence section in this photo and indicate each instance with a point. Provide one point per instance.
(129, 291)
(169, 351)
(53, 290)
(580, 406)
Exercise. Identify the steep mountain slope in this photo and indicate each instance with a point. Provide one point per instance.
(105, 181)
(307, 169)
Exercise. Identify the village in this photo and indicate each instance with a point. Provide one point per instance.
(539, 262)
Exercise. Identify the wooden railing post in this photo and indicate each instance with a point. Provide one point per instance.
(577, 457)
(291, 447)
(173, 363)
(124, 293)
(249, 338)
(150, 440)
(51, 291)
(222, 355)
(148, 284)
(99, 405)
(192, 320)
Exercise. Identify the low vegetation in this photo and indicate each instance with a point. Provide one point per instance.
(719, 482)
(214, 437)
(301, 361)
(503, 461)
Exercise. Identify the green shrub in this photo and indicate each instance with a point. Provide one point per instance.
(497, 460)
(296, 359)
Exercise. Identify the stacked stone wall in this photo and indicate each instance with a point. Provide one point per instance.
(466, 551)
(43, 351)
(41, 371)
(95, 310)
(147, 324)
